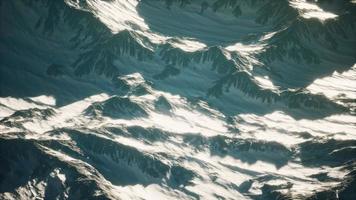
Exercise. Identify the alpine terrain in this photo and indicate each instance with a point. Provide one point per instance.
(178, 99)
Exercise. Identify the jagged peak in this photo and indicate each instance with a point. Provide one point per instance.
(220, 58)
(116, 107)
(248, 150)
(295, 99)
(149, 164)
(101, 54)
(133, 84)
(31, 114)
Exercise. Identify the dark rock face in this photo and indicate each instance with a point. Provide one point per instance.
(117, 107)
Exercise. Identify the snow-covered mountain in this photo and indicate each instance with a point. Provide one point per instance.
(177, 99)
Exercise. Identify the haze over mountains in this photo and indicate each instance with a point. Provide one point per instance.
(177, 99)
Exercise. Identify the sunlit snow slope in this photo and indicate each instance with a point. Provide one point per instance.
(178, 99)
